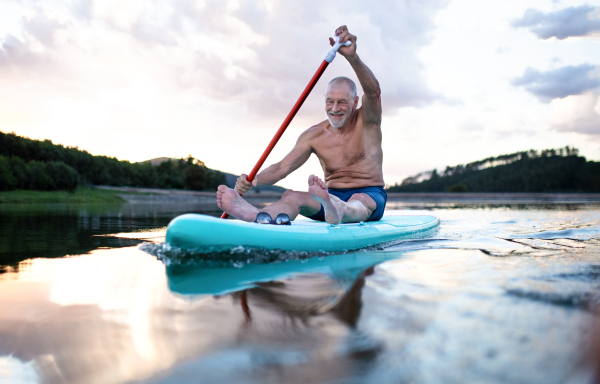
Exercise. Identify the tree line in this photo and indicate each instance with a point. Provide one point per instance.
(43, 165)
(550, 170)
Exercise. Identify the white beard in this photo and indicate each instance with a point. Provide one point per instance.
(339, 123)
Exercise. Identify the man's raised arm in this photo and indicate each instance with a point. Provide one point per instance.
(275, 172)
(371, 102)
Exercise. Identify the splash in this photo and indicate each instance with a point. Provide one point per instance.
(236, 256)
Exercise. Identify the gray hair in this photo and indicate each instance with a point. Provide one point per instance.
(349, 82)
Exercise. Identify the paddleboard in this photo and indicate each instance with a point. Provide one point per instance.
(195, 231)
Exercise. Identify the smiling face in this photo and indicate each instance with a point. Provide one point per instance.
(340, 102)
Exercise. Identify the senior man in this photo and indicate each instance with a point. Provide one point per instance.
(348, 146)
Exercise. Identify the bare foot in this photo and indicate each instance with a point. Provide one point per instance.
(232, 203)
(317, 189)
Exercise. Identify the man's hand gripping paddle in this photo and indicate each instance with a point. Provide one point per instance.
(328, 59)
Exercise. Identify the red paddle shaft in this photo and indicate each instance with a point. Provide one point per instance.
(285, 124)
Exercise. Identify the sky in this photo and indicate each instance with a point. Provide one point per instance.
(461, 80)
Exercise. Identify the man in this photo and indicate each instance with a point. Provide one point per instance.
(348, 146)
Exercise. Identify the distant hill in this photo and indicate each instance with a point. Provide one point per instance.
(43, 165)
(157, 161)
(551, 170)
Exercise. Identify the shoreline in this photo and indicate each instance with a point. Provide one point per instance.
(146, 195)
(78, 196)
(179, 196)
(107, 194)
(495, 197)
(181, 192)
(120, 195)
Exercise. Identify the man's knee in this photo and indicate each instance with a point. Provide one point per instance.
(358, 207)
(366, 200)
(288, 193)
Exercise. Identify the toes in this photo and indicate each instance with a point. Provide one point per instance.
(222, 188)
(311, 180)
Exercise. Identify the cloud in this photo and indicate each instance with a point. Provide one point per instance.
(256, 56)
(579, 114)
(558, 83)
(564, 23)
(42, 28)
(82, 9)
(471, 125)
(390, 38)
(150, 34)
(34, 52)
(18, 56)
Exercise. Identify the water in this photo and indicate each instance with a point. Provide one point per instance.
(502, 293)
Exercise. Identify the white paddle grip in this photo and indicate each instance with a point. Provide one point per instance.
(331, 54)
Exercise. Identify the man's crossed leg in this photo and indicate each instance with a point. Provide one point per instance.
(359, 207)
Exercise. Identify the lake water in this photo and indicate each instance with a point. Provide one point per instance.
(501, 294)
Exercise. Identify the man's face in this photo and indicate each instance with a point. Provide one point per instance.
(338, 104)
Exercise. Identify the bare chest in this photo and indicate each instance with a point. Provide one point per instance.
(339, 151)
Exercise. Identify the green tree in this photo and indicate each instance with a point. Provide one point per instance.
(7, 180)
(550, 170)
(194, 177)
(36, 164)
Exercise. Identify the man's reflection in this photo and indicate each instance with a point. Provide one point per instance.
(302, 298)
(316, 314)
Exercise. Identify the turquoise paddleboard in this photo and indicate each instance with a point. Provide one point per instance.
(206, 232)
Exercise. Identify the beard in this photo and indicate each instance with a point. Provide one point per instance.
(338, 123)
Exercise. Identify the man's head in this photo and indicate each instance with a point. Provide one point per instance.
(341, 100)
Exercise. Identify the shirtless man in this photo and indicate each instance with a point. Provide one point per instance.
(348, 146)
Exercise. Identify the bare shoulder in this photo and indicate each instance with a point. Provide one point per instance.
(313, 132)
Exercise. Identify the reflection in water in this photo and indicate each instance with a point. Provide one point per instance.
(56, 230)
(202, 277)
(76, 319)
(497, 296)
(299, 316)
(80, 319)
(318, 316)
(295, 299)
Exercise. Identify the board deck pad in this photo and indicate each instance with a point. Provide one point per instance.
(195, 231)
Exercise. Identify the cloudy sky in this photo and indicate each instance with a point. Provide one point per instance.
(461, 79)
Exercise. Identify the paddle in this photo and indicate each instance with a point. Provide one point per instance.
(328, 59)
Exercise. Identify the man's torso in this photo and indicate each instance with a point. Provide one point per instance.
(351, 157)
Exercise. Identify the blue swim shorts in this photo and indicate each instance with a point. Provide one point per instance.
(377, 193)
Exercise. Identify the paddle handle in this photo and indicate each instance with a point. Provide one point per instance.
(285, 124)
